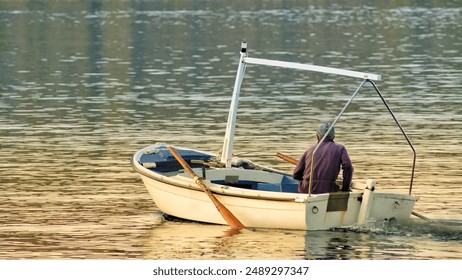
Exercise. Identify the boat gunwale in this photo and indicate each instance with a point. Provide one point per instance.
(182, 180)
(185, 182)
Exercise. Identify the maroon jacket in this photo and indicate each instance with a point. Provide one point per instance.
(328, 160)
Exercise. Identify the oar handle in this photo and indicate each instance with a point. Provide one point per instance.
(287, 158)
(188, 170)
(182, 162)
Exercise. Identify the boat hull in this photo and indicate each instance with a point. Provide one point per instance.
(298, 213)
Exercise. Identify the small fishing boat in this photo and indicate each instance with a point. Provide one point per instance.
(219, 188)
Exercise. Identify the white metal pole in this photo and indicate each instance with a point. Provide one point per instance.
(314, 68)
(227, 151)
(310, 186)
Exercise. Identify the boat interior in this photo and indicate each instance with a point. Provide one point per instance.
(246, 176)
(252, 179)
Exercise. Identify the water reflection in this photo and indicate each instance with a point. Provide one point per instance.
(180, 239)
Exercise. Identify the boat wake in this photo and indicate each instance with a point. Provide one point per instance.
(439, 230)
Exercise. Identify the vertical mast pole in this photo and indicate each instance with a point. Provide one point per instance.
(227, 151)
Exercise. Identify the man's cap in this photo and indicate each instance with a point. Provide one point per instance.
(323, 128)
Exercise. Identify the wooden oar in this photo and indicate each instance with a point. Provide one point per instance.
(422, 217)
(287, 158)
(232, 221)
(294, 161)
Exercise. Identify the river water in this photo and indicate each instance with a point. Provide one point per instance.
(85, 84)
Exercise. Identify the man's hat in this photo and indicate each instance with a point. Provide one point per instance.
(323, 128)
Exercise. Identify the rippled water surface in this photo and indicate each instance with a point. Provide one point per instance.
(85, 84)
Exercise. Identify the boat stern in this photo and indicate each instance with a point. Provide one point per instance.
(382, 206)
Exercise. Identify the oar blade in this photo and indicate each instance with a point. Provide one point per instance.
(229, 217)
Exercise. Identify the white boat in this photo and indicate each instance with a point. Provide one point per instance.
(259, 196)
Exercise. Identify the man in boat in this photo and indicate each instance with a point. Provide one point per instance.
(329, 158)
